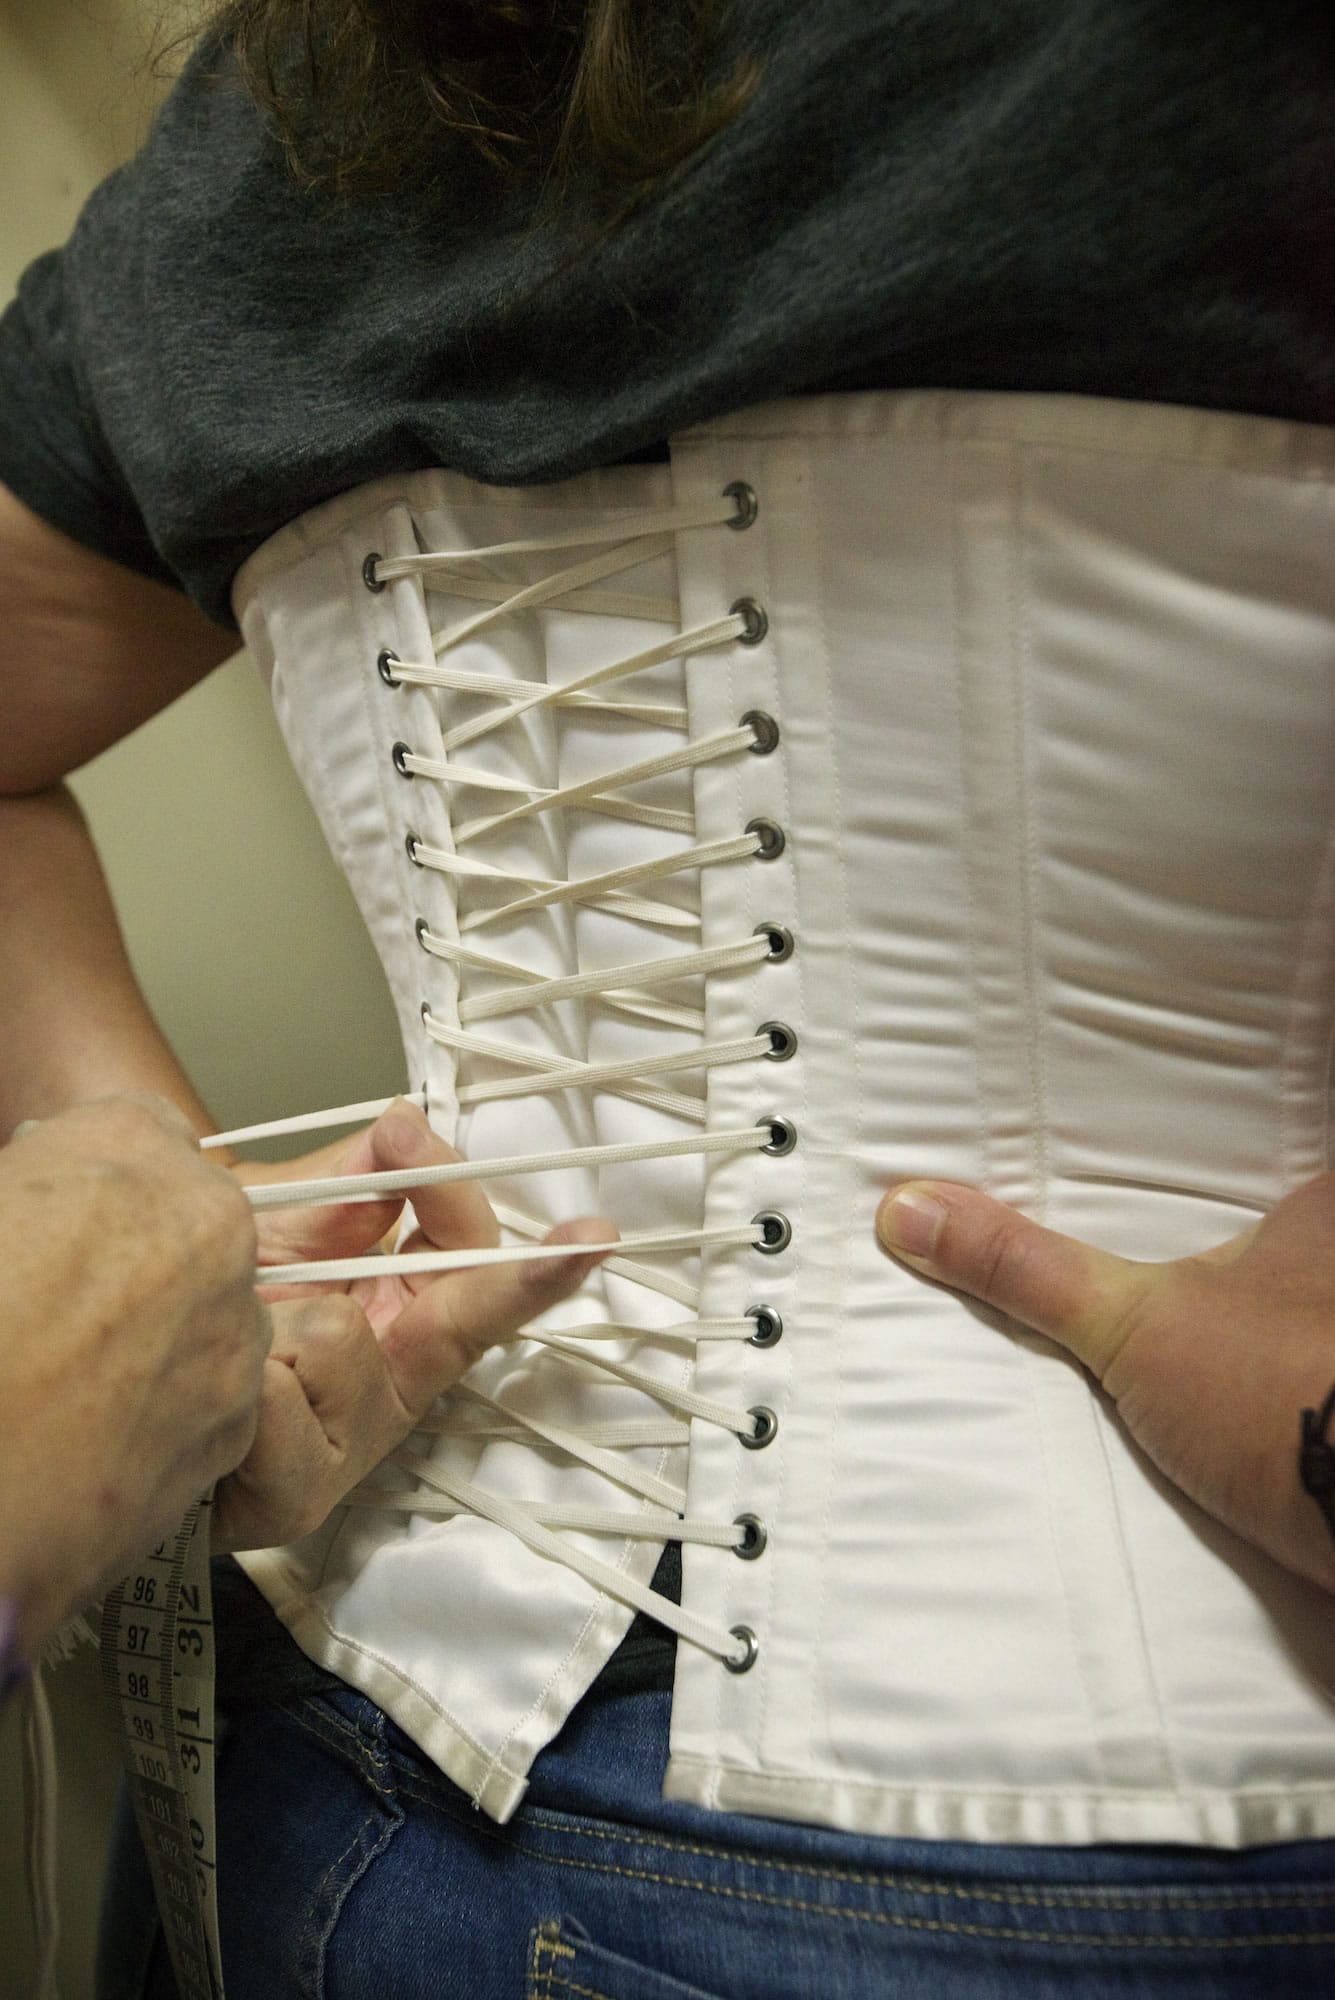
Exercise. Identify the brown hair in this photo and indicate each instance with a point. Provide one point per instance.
(360, 92)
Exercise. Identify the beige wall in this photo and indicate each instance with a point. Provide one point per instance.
(244, 937)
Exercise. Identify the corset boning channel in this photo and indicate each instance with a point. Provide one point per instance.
(922, 784)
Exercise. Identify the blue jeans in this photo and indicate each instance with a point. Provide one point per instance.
(350, 1869)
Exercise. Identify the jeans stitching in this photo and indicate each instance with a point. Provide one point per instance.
(546, 1938)
(1011, 1933)
(1003, 1933)
(327, 1722)
(1208, 1901)
(1090, 1899)
(352, 1749)
(371, 1841)
(308, 1942)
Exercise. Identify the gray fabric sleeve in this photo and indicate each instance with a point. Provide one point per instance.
(52, 456)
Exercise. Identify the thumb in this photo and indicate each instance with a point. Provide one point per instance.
(451, 1324)
(449, 1213)
(307, 1235)
(1087, 1300)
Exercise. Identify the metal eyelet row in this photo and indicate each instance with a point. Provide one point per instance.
(775, 1231)
(386, 661)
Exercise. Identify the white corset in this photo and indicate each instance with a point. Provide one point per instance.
(1054, 689)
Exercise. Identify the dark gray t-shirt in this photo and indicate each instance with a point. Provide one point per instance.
(1131, 198)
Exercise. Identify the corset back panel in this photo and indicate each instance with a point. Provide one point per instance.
(1055, 689)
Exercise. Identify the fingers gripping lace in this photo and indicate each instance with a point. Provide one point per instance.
(490, 895)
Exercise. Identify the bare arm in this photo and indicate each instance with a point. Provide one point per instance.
(88, 651)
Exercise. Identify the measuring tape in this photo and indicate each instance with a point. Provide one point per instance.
(157, 1664)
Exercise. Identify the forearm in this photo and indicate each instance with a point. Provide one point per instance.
(73, 1022)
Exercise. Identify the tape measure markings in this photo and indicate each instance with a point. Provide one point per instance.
(157, 1665)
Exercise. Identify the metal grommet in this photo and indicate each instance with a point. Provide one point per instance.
(750, 1649)
(411, 844)
(765, 729)
(747, 504)
(765, 1431)
(771, 836)
(780, 941)
(755, 621)
(782, 1040)
(399, 756)
(782, 1136)
(769, 1326)
(420, 929)
(369, 576)
(385, 663)
(754, 1537)
(776, 1231)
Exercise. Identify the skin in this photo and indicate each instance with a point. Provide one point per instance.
(1208, 1359)
(133, 1345)
(143, 1362)
(353, 1367)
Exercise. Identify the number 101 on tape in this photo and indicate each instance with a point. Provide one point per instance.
(157, 1665)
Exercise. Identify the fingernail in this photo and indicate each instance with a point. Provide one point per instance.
(911, 1222)
(587, 1229)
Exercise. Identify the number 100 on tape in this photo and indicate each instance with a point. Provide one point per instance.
(157, 1665)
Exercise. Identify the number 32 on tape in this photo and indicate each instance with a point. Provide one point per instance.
(157, 1665)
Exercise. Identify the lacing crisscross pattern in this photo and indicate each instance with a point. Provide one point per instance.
(494, 988)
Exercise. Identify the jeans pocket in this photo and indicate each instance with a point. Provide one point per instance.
(565, 1964)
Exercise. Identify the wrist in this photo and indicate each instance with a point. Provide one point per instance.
(42, 1584)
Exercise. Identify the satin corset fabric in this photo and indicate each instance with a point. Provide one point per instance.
(1055, 687)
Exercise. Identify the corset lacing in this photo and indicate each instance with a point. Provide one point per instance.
(487, 896)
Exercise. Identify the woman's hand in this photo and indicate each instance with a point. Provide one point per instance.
(354, 1366)
(1210, 1359)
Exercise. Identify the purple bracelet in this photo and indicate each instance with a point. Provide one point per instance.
(13, 1669)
